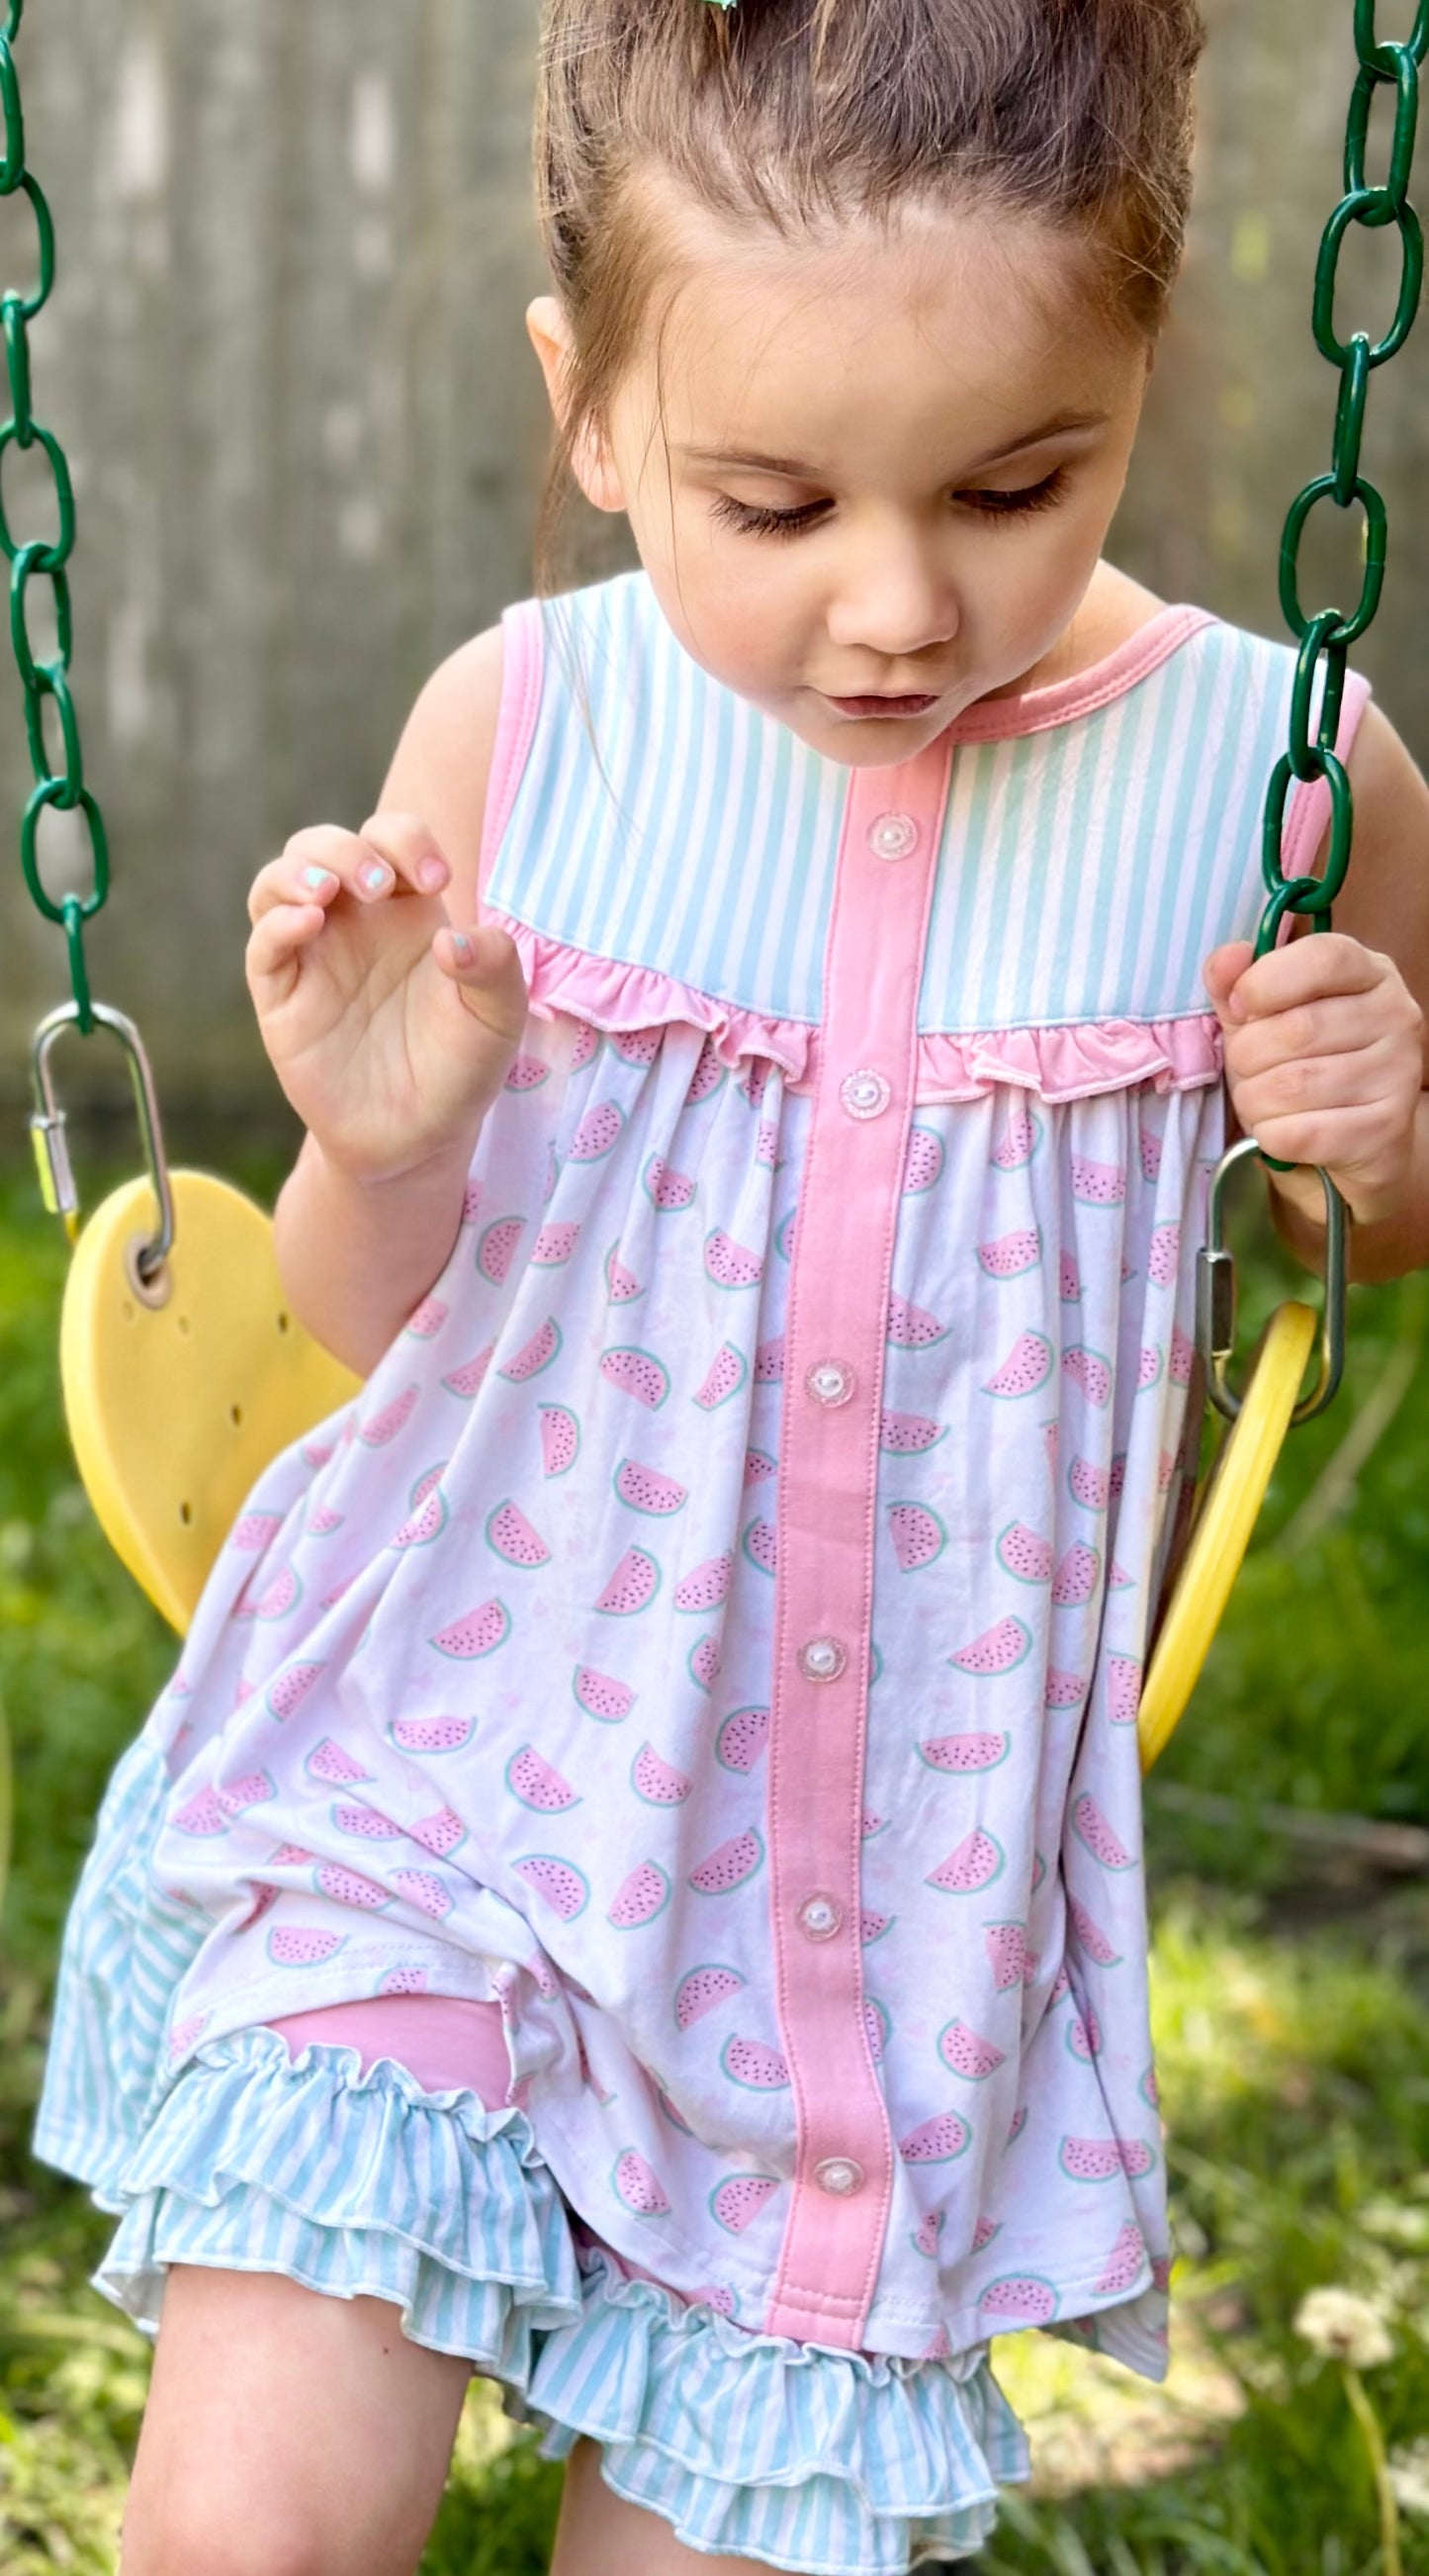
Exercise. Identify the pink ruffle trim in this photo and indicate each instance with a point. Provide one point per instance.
(619, 998)
(1070, 1062)
(1073, 1061)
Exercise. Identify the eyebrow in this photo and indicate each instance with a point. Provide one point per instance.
(1062, 426)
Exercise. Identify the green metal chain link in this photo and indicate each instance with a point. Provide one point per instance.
(1325, 637)
(43, 559)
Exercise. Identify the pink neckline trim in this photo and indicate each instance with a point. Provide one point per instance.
(999, 719)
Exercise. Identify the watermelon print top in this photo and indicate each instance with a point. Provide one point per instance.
(715, 1630)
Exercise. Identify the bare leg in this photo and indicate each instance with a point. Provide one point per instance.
(599, 2534)
(287, 2434)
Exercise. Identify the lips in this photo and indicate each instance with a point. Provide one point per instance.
(885, 706)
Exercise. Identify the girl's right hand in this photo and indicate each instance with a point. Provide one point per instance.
(390, 1028)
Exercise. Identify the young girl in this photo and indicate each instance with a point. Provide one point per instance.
(635, 1885)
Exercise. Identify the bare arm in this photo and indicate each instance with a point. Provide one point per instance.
(355, 1257)
(358, 1247)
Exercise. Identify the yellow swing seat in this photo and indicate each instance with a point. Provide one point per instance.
(1225, 1516)
(177, 1394)
(183, 1371)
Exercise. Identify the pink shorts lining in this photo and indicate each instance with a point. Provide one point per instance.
(444, 2040)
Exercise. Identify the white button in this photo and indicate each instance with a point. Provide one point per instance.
(865, 1094)
(840, 2175)
(892, 836)
(830, 1381)
(822, 1660)
(820, 1917)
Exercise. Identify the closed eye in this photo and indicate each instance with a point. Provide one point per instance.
(765, 523)
(755, 521)
(1021, 503)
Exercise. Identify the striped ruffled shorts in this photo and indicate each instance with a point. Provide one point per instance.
(370, 2149)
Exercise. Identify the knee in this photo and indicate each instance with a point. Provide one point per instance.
(194, 2533)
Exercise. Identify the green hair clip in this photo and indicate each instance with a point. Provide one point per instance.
(719, 4)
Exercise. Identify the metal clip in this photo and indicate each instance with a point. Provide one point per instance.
(1216, 1295)
(47, 1131)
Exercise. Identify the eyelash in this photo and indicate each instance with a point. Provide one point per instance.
(988, 505)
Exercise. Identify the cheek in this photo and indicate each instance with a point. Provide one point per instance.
(1065, 557)
(754, 606)
(741, 611)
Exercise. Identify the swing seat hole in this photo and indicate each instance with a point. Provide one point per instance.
(282, 1323)
(152, 1293)
(183, 1323)
(235, 1415)
(186, 1513)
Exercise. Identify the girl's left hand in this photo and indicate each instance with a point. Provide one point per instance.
(1324, 1055)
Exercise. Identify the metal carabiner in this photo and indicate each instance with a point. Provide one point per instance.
(1216, 1295)
(47, 1131)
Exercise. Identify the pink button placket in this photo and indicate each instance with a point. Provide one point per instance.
(828, 1469)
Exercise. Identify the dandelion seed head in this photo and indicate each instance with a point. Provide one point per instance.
(1344, 2327)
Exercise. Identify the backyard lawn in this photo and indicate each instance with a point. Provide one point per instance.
(1291, 1993)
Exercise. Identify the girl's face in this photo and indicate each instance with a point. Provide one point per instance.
(870, 476)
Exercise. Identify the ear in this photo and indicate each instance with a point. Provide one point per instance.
(591, 463)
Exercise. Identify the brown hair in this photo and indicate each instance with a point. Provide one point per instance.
(791, 111)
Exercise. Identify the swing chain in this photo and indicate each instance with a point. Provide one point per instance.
(44, 671)
(1325, 636)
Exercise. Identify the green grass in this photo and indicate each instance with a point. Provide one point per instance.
(1293, 2060)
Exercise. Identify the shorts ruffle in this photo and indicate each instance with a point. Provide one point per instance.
(801, 2456)
(357, 2184)
(360, 2183)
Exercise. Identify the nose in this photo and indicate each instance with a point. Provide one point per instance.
(892, 597)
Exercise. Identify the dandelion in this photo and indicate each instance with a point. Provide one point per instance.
(1351, 2331)
(1409, 2477)
(1344, 2328)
